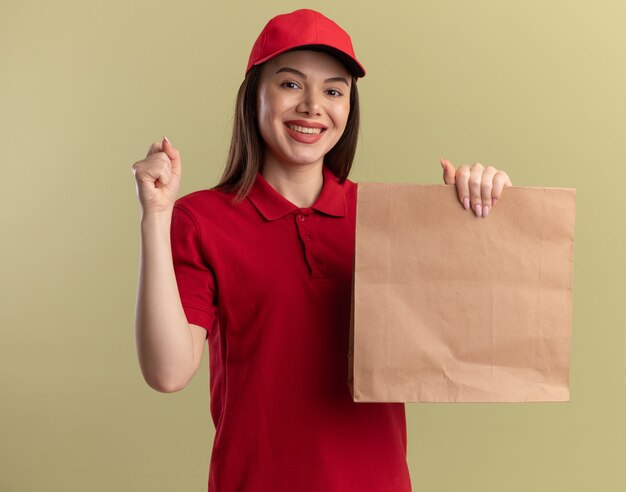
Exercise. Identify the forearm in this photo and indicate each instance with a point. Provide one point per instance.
(163, 336)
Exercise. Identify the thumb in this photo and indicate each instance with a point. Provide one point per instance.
(449, 172)
(173, 154)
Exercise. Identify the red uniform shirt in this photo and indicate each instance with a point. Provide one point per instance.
(271, 282)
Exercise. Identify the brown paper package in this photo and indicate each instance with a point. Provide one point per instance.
(450, 307)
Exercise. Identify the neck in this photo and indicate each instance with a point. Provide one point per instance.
(301, 185)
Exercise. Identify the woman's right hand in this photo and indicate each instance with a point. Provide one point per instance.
(158, 177)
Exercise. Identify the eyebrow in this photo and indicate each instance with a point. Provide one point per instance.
(298, 72)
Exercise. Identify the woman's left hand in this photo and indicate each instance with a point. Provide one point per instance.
(478, 186)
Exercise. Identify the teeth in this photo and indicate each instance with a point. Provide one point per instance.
(303, 129)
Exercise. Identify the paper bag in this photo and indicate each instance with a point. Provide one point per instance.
(450, 307)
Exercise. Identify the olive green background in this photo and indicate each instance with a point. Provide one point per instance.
(532, 87)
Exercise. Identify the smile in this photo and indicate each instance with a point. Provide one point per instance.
(304, 134)
(305, 129)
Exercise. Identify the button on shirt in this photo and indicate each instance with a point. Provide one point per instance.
(271, 283)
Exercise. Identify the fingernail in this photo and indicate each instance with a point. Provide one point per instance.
(443, 165)
(477, 210)
(486, 211)
(166, 139)
(466, 203)
(493, 201)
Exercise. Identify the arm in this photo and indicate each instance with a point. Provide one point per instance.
(165, 341)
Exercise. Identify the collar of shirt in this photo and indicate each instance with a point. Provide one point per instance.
(272, 205)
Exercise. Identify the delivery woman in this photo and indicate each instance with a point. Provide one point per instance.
(261, 266)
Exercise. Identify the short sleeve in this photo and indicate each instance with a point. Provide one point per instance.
(194, 277)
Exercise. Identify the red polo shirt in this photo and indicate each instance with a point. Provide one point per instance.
(271, 282)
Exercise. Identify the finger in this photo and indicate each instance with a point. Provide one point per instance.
(449, 171)
(152, 173)
(500, 180)
(166, 173)
(154, 148)
(475, 179)
(462, 186)
(173, 154)
(486, 185)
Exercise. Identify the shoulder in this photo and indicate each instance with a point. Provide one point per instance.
(202, 202)
(349, 184)
(350, 189)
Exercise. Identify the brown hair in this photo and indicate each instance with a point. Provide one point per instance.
(246, 153)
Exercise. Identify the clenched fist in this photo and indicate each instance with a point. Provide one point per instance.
(158, 177)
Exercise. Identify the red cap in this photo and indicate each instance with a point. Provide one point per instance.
(304, 28)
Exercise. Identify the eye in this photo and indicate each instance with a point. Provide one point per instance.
(336, 92)
(289, 82)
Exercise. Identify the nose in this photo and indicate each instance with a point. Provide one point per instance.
(309, 104)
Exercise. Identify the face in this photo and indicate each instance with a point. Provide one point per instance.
(303, 102)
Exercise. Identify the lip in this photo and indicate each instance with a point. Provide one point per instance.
(305, 123)
(304, 137)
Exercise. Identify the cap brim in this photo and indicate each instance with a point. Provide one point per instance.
(351, 64)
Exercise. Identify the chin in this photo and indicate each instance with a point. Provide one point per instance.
(303, 158)
(299, 156)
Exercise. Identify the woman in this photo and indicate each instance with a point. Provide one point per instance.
(261, 265)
